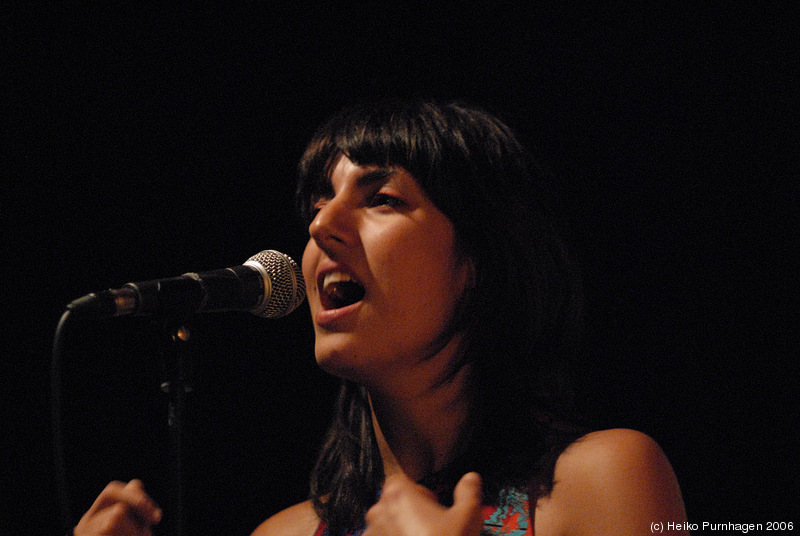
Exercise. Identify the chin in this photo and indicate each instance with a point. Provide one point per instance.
(337, 362)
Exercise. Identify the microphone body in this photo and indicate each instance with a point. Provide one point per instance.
(269, 284)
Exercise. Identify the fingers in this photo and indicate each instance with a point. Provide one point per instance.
(406, 508)
(468, 490)
(399, 483)
(134, 498)
(144, 506)
(120, 509)
(467, 500)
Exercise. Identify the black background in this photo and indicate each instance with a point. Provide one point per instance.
(144, 141)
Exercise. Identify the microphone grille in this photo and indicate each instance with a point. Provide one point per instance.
(288, 286)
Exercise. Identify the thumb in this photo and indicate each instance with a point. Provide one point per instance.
(467, 493)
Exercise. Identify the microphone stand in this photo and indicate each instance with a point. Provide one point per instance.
(176, 352)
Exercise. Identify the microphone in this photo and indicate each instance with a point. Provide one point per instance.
(269, 284)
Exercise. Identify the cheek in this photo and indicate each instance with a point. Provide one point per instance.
(432, 279)
(308, 264)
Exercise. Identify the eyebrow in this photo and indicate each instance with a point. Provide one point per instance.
(366, 180)
(374, 176)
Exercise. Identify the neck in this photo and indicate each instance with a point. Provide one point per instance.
(418, 433)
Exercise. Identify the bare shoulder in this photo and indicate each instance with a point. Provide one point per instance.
(297, 520)
(606, 452)
(612, 482)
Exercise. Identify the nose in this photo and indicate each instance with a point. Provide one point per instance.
(332, 225)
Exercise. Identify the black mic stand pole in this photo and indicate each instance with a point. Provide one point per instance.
(176, 351)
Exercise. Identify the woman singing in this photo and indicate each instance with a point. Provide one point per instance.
(443, 298)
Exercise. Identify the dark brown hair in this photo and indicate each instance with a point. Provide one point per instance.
(522, 319)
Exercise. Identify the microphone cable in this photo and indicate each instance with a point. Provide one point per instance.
(57, 424)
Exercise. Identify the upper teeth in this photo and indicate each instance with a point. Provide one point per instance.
(335, 277)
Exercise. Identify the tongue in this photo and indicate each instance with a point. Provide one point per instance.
(344, 293)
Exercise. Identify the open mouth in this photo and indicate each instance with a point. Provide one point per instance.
(338, 290)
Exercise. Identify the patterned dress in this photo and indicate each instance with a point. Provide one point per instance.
(510, 517)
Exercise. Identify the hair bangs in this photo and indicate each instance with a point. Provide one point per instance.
(386, 136)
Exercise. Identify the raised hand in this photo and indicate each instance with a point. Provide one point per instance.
(120, 510)
(407, 509)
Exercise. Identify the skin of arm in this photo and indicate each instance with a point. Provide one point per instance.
(612, 482)
(297, 520)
